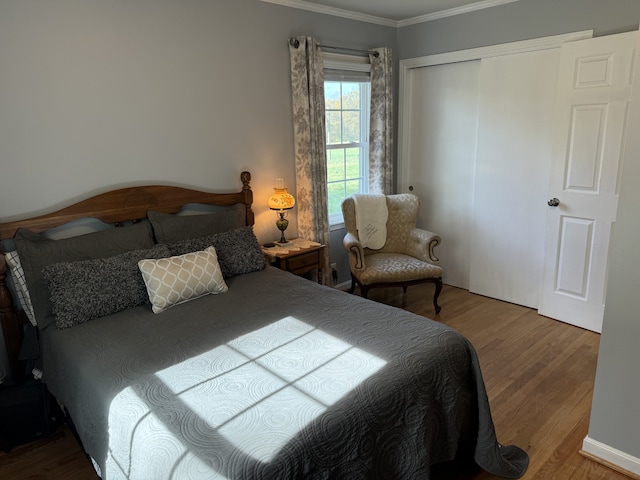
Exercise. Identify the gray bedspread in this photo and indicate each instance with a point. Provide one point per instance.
(279, 378)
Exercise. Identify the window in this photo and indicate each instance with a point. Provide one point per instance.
(347, 95)
(347, 126)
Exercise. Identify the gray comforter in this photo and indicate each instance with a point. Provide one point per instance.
(278, 378)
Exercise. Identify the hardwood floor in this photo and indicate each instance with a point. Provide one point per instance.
(539, 376)
(538, 372)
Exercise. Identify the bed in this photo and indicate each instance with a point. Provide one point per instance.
(259, 374)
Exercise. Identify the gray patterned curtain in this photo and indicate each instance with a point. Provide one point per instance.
(381, 127)
(307, 84)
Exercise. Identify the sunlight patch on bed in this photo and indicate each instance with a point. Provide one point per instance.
(254, 394)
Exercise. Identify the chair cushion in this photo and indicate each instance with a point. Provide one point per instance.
(396, 267)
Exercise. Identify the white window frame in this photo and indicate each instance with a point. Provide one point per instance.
(362, 68)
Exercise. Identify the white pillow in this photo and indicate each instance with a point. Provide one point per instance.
(174, 280)
(17, 276)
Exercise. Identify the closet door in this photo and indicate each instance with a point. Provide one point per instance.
(516, 106)
(440, 121)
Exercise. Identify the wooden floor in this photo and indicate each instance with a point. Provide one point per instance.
(538, 372)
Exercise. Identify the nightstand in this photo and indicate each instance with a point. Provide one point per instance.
(27, 413)
(301, 257)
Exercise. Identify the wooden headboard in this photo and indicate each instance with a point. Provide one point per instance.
(116, 207)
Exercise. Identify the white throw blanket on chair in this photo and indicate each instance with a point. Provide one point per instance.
(371, 219)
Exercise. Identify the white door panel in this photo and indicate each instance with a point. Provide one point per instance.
(576, 242)
(439, 160)
(513, 157)
(594, 90)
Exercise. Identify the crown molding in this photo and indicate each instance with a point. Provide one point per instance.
(387, 22)
(452, 12)
(336, 12)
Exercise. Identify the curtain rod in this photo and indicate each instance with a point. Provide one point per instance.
(295, 43)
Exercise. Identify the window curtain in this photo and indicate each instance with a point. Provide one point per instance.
(381, 124)
(307, 85)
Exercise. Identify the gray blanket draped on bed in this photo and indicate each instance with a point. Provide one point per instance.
(277, 378)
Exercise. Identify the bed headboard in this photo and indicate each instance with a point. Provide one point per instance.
(116, 207)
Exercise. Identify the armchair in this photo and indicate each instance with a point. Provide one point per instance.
(407, 257)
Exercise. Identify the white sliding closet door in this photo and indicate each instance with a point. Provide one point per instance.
(516, 106)
(440, 119)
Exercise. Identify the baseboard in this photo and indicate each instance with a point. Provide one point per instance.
(610, 457)
(343, 286)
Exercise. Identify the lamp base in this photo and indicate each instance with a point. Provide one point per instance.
(282, 224)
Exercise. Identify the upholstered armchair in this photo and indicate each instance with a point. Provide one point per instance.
(407, 256)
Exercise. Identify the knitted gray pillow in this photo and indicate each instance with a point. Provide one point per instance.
(88, 289)
(238, 250)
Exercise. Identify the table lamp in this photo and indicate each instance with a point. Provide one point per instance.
(281, 201)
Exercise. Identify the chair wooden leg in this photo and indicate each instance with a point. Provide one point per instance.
(353, 284)
(364, 291)
(438, 282)
(404, 289)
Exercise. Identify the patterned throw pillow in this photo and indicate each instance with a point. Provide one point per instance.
(174, 280)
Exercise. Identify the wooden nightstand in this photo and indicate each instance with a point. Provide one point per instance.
(300, 257)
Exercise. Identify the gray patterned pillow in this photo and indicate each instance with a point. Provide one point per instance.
(37, 251)
(169, 228)
(238, 250)
(89, 289)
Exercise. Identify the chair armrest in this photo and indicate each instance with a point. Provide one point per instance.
(356, 251)
(421, 244)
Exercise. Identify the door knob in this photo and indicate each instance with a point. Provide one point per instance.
(554, 202)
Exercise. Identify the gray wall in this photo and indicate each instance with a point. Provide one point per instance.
(118, 92)
(615, 414)
(515, 21)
